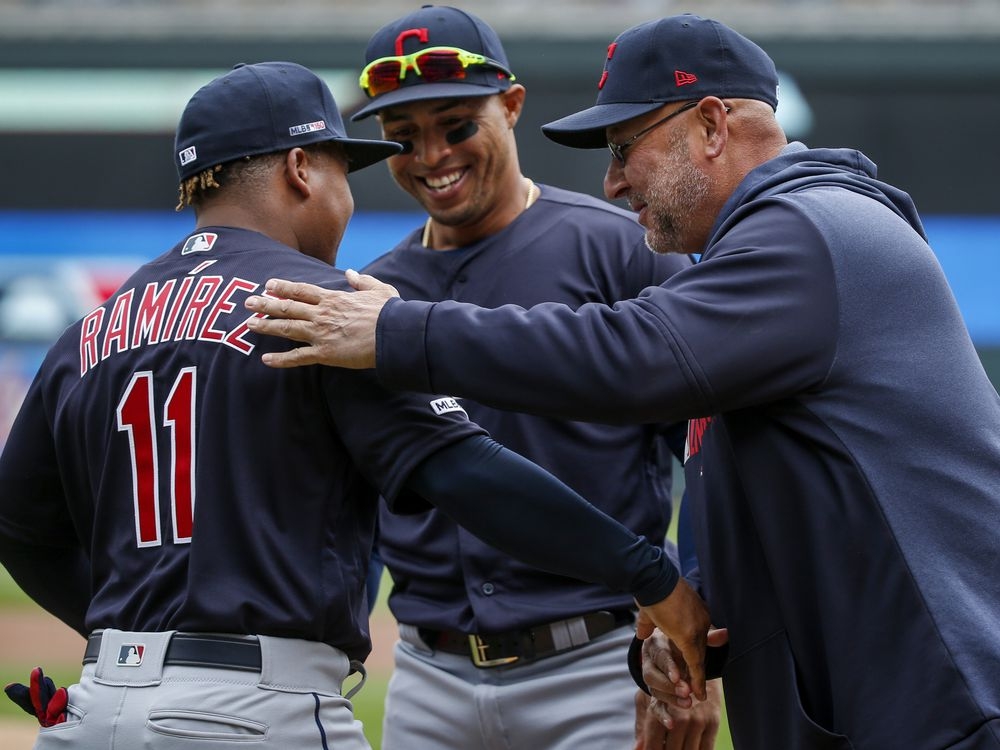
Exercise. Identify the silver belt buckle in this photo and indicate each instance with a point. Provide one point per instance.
(478, 650)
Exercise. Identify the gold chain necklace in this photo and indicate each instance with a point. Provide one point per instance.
(533, 193)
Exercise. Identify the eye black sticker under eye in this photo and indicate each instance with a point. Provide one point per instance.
(462, 133)
(407, 147)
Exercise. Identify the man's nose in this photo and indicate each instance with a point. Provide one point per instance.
(615, 184)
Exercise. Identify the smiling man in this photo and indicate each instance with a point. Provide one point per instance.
(440, 83)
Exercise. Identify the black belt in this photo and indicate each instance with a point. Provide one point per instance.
(196, 650)
(498, 649)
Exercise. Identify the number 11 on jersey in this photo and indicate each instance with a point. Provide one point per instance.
(137, 413)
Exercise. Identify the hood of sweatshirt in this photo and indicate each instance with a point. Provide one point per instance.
(800, 168)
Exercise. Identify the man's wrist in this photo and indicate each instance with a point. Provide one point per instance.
(400, 349)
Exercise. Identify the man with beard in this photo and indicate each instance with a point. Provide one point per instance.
(843, 450)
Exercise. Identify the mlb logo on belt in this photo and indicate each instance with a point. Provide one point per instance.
(130, 654)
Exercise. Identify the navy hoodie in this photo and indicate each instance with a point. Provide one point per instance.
(843, 456)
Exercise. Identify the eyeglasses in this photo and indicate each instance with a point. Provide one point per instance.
(432, 64)
(618, 149)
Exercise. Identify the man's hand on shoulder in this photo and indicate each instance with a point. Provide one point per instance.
(338, 328)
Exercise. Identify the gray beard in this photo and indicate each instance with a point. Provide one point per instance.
(673, 200)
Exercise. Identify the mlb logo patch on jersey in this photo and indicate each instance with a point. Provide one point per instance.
(130, 654)
(199, 243)
(445, 405)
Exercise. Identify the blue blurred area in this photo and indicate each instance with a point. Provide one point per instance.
(967, 246)
(56, 266)
(143, 235)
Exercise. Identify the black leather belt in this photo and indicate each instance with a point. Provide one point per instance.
(498, 649)
(197, 650)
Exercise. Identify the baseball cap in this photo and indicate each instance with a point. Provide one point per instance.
(263, 108)
(677, 58)
(438, 26)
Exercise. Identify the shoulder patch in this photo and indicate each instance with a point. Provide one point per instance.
(446, 404)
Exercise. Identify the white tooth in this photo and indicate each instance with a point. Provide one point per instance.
(441, 182)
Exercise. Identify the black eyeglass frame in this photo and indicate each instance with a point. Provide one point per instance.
(618, 149)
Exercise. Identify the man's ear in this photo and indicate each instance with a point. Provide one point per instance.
(513, 102)
(296, 171)
(712, 113)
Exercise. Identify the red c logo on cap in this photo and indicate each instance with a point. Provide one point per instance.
(604, 75)
(420, 34)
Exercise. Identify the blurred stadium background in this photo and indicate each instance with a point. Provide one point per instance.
(90, 91)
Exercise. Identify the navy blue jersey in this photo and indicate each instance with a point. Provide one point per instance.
(844, 462)
(573, 249)
(210, 492)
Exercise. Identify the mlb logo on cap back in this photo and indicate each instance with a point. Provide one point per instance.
(678, 58)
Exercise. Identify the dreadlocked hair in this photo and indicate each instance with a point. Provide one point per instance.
(245, 175)
(192, 189)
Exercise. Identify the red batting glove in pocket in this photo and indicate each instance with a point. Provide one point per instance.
(40, 698)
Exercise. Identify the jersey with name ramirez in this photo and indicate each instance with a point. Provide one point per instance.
(843, 472)
(211, 492)
(569, 248)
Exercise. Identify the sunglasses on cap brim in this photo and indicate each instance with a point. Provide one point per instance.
(433, 65)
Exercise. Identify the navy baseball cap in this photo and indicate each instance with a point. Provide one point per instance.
(678, 58)
(262, 108)
(438, 26)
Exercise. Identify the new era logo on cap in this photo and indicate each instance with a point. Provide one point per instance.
(684, 79)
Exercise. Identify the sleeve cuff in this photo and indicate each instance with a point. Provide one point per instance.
(400, 345)
(658, 582)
